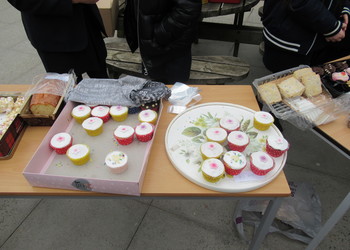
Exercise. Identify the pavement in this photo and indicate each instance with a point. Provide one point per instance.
(42, 223)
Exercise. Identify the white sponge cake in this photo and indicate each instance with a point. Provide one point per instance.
(291, 87)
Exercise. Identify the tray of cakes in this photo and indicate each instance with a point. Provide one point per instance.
(11, 125)
(96, 148)
(335, 76)
(226, 147)
(299, 96)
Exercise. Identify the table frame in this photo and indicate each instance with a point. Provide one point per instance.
(236, 32)
(13, 184)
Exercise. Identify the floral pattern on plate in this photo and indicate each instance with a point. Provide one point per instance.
(186, 133)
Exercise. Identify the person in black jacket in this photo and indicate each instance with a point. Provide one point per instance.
(309, 32)
(164, 31)
(67, 34)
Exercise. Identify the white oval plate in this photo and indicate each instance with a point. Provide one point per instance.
(185, 135)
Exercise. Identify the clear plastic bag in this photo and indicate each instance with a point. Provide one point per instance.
(52, 83)
(182, 97)
(298, 218)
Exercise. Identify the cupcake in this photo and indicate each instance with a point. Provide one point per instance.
(229, 123)
(101, 112)
(61, 142)
(213, 170)
(234, 162)
(238, 141)
(216, 135)
(81, 112)
(124, 134)
(93, 126)
(117, 162)
(263, 120)
(119, 113)
(276, 146)
(211, 150)
(340, 76)
(148, 115)
(261, 163)
(79, 154)
(144, 132)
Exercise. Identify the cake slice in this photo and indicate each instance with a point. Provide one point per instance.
(298, 74)
(291, 87)
(313, 84)
(269, 93)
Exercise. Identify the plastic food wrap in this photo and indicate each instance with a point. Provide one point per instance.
(302, 111)
(183, 97)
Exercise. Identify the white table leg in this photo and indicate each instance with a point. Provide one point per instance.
(265, 223)
(327, 227)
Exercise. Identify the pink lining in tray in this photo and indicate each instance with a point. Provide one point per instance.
(48, 169)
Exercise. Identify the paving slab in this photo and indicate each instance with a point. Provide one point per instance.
(78, 224)
(12, 213)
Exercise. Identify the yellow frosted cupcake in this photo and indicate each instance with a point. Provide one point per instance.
(119, 113)
(263, 120)
(213, 170)
(216, 135)
(81, 112)
(79, 154)
(93, 126)
(211, 150)
(148, 115)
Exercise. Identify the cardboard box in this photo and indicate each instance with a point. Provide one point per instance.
(109, 11)
(48, 169)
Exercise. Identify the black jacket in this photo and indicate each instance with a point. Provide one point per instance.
(162, 29)
(301, 25)
(58, 25)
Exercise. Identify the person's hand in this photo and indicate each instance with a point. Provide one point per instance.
(85, 1)
(337, 37)
(345, 22)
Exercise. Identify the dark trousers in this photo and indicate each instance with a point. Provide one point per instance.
(91, 60)
(176, 70)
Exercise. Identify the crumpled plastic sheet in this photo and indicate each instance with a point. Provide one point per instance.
(299, 216)
(126, 91)
(51, 83)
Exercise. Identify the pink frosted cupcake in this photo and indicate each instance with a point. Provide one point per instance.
(238, 141)
(230, 123)
(218, 135)
(213, 170)
(101, 112)
(234, 162)
(144, 132)
(61, 142)
(276, 146)
(263, 120)
(119, 113)
(340, 76)
(81, 113)
(124, 134)
(93, 126)
(148, 115)
(211, 150)
(261, 163)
